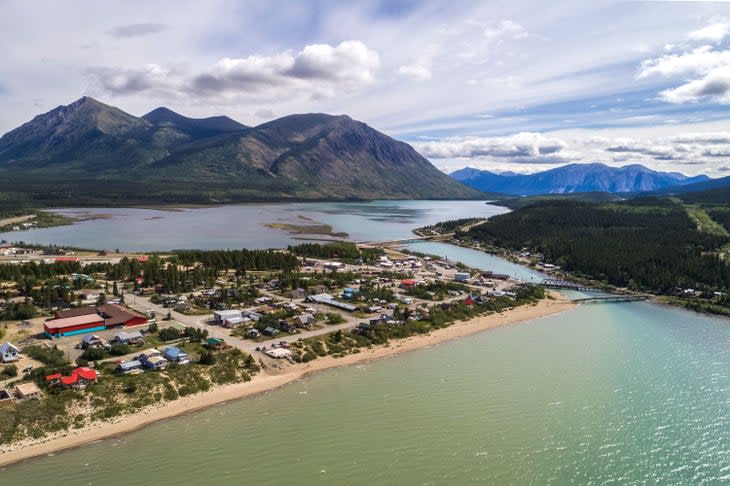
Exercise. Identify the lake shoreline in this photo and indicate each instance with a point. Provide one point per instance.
(268, 381)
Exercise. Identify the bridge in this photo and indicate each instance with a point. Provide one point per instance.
(610, 299)
(552, 283)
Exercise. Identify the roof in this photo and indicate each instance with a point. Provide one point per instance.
(125, 336)
(174, 352)
(8, 346)
(130, 365)
(116, 314)
(26, 389)
(54, 376)
(148, 353)
(73, 321)
(90, 337)
(278, 352)
(156, 359)
(215, 341)
(234, 320)
(85, 373)
(227, 313)
(78, 311)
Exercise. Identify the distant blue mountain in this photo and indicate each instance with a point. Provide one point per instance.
(573, 178)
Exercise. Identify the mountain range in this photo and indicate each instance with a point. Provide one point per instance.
(90, 153)
(576, 178)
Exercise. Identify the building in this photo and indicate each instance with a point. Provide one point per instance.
(462, 276)
(9, 353)
(334, 266)
(6, 398)
(133, 337)
(253, 333)
(222, 315)
(129, 367)
(305, 320)
(270, 331)
(232, 322)
(278, 352)
(70, 326)
(117, 316)
(93, 341)
(154, 363)
(79, 378)
(91, 319)
(27, 391)
(327, 299)
(176, 355)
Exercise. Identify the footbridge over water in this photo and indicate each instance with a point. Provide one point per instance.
(610, 299)
(552, 283)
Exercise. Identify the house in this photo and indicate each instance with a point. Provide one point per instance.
(9, 353)
(232, 322)
(334, 266)
(222, 315)
(176, 355)
(462, 276)
(286, 326)
(133, 337)
(305, 320)
(54, 379)
(407, 283)
(253, 333)
(154, 362)
(254, 316)
(129, 367)
(270, 331)
(215, 343)
(27, 391)
(80, 377)
(6, 398)
(183, 307)
(297, 293)
(93, 341)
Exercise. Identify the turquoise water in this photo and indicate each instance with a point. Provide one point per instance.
(603, 394)
(244, 226)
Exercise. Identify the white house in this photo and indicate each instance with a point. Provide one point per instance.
(9, 353)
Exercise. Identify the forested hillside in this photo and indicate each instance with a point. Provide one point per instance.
(645, 244)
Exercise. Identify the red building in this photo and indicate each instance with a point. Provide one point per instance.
(118, 316)
(74, 325)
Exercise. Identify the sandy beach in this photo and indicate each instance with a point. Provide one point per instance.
(269, 380)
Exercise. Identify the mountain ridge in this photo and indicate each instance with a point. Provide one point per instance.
(88, 152)
(575, 178)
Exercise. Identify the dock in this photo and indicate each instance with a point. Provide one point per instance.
(610, 299)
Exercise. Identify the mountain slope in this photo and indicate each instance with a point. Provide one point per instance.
(90, 153)
(573, 178)
(194, 127)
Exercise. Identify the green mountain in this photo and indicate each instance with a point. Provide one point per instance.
(89, 153)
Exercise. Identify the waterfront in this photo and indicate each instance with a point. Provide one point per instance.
(244, 226)
(622, 393)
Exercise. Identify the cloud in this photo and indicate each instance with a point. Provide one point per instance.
(318, 69)
(701, 60)
(506, 29)
(714, 32)
(415, 71)
(136, 30)
(714, 86)
(523, 147)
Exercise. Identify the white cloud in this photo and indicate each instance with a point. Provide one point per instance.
(506, 29)
(714, 32)
(416, 72)
(714, 86)
(523, 147)
(700, 60)
(318, 69)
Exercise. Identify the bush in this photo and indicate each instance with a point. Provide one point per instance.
(153, 328)
(10, 371)
(94, 354)
(169, 334)
(120, 349)
(50, 356)
(207, 358)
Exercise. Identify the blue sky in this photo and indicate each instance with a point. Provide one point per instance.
(519, 86)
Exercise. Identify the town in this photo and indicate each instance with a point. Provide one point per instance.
(110, 327)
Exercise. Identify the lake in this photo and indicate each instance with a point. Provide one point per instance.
(244, 226)
(603, 394)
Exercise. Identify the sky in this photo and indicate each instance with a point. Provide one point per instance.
(519, 86)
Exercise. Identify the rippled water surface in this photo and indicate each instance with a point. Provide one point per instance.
(603, 394)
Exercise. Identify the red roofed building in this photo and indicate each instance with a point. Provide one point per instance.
(407, 283)
(80, 377)
(66, 260)
(74, 325)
